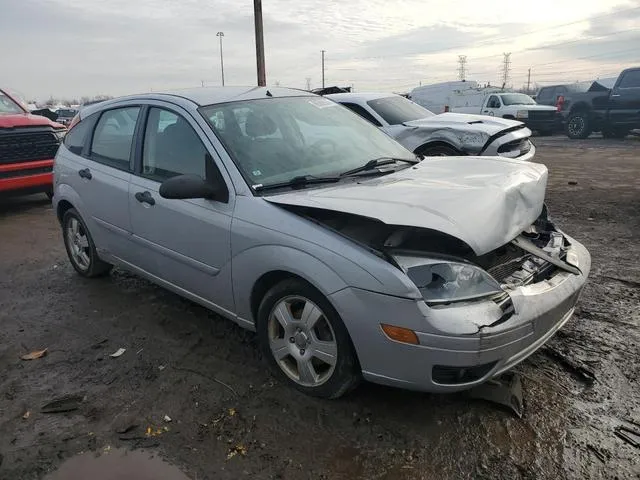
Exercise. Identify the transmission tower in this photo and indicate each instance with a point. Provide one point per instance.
(308, 79)
(506, 68)
(462, 67)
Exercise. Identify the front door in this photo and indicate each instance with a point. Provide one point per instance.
(183, 242)
(625, 101)
(492, 106)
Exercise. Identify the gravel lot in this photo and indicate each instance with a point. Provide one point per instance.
(230, 419)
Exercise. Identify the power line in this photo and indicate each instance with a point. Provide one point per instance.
(462, 61)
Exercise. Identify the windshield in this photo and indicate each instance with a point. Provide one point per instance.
(7, 105)
(274, 140)
(517, 99)
(396, 110)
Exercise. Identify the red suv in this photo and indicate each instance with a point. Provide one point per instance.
(28, 144)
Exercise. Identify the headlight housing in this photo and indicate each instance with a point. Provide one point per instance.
(60, 133)
(522, 114)
(445, 281)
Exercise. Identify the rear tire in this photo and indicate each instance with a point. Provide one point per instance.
(438, 151)
(80, 247)
(578, 125)
(305, 342)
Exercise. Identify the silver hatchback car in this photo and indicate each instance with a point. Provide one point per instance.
(296, 218)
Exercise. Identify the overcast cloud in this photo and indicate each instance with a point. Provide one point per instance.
(70, 48)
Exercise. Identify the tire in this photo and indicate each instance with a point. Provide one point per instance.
(328, 370)
(578, 125)
(438, 151)
(80, 247)
(615, 133)
(49, 194)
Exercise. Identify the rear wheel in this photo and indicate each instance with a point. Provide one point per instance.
(80, 247)
(578, 125)
(438, 151)
(305, 342)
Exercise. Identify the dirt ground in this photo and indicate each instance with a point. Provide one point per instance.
(230, 419)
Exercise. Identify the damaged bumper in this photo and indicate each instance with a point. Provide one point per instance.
(460, 345)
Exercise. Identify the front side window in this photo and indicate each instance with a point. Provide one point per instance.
(517, 99)
(113, 137)
(7, 105)
(397, 110)
(494, 102)
(171, 147)
(276, 139)
(630, 80)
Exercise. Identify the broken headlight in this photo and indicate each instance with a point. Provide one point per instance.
(444, 281)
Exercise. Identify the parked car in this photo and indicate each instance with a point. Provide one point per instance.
(613, 110)
(310, 226)
(467, 97)
(28, 144)
(65, 115)
(553, 95)
(424, 133)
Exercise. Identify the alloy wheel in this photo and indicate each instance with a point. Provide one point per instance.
(78, 244)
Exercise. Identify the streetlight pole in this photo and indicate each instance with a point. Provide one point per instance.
(221, 34)
(257, 18)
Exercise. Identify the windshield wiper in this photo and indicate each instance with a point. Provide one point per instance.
(375, 163)
(299, 181)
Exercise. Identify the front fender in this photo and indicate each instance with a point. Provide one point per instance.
(249, 265)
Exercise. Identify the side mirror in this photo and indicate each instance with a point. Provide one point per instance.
(189, 186)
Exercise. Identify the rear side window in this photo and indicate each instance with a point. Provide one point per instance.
(630, 80)
(363, 113)
(544, 94)
(113, 137)
(77, 136)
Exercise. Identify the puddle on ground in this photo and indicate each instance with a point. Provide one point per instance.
(117, 464)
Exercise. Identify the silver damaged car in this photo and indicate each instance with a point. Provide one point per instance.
(297, 219)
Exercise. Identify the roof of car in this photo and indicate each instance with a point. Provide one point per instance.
(359, 97)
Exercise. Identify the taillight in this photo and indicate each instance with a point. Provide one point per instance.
(74, 120)
(560, 103)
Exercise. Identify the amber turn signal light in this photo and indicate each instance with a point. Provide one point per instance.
(400, 334)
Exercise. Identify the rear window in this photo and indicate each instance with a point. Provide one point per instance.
(113, 137)
(75, 139)
(397, 110)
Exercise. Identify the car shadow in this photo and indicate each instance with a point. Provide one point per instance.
(14, 205)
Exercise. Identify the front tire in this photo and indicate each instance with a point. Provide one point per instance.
(305, 342)
(80, 247)
(578, 126)
(438, 151)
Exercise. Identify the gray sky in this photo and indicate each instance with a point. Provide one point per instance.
(70, 48)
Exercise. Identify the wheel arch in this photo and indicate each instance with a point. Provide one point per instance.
(437, 143)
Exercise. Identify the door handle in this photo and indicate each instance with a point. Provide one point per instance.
(85, 173)
(145, 197)
(486, 111)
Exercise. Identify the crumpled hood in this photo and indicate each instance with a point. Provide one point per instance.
(462, 121)
(26, 120)
(484, 201)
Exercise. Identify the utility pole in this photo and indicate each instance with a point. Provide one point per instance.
(322, 68)
(462, 71)
(257, 17)
(506, 67)
(308, 79)
(528, 80)
(221, 34)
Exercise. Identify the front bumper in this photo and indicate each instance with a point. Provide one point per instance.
(509, 138)
(26, 176)
(456, 336)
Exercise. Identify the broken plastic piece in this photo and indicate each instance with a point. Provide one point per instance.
(118, 352)
(34, 355)
(505, 390)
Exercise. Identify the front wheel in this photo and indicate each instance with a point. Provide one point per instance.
(80, 247)
(578, 125)
(438, 151)
(305, 342)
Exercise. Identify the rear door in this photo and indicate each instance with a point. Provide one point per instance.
(185, 243)
(100, 171)
(625, 100)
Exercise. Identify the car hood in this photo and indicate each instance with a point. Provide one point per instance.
(485, 202)
(464, 122)
(545, 108)
(26, 120)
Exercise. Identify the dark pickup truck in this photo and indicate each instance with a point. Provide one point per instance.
(612, 111)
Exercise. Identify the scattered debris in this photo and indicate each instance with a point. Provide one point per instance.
(582, 372)
(629, 435)
(213, 379)
(139, 351)
(26, 415)
(99, 344)
(505, 390)
(167, 418)
(597, 453)
(154, 432)
(572, 182)
(118, 352)
(161, 367)
(232, 412)
(35, 354)
(238, 449)
(67, 403)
